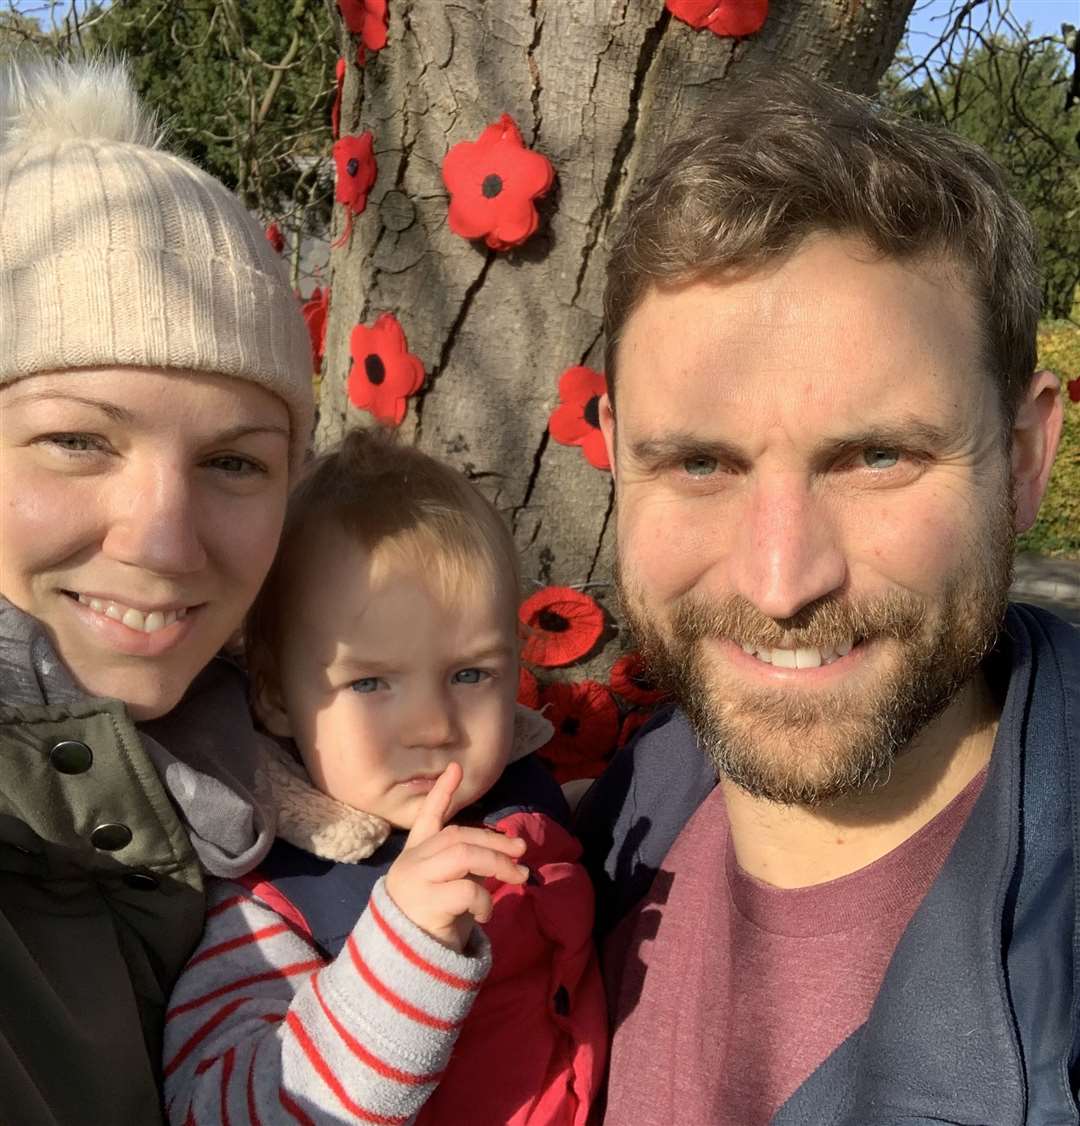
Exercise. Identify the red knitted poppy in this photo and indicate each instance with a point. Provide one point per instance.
(315, 310)
(335, 111)
(561, 626)
(586, 723)
(528, 689)
(384, 372)
(493, 183)
(1074, 390)
(354, 157)
(630, 679)
(576, 420)
(275, 238)
(734, 18)
(366, 18)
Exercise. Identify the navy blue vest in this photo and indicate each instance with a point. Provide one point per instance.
(331, 894)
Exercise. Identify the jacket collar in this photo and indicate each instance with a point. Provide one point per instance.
(206, 751)
(332, 830)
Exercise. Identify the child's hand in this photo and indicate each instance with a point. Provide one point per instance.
(438, 880)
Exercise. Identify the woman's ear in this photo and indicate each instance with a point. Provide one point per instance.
(1035, 436)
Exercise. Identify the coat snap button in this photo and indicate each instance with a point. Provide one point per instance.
(71, 757)
(562, 1001)
(110, 836)
(141, 881)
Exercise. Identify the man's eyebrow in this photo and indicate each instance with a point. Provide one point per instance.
(910, 433)
(121, 414)
(681, 443)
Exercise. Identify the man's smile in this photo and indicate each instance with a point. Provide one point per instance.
(801, 658)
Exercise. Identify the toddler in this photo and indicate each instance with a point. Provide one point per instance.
(346, 980)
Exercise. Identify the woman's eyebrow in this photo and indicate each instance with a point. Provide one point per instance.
(243, 430)
(116, 413)
(121, 414)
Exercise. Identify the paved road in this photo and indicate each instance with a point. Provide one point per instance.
(1052, 583)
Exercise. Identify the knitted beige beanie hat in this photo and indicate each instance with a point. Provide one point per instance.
(116, 253)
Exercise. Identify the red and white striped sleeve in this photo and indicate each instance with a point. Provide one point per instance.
(262, 1029)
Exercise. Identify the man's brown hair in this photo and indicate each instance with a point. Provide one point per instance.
(783, 158)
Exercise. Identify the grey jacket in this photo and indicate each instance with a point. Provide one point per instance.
(105, 829)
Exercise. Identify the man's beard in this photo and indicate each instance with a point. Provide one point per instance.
(808, 747)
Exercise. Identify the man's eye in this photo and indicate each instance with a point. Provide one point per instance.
(699, 466)
(469, 676)
(365, 684)
(881, 458)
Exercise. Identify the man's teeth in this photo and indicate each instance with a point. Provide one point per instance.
(132, 618)
(799, 658)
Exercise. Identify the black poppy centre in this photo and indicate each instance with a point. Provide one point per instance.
(592, 412)
(353, 166)
(571, 725)
(552, 622)
(374, 368)
(491, 186)
(642, 680)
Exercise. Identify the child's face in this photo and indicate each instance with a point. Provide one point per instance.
(382, 684)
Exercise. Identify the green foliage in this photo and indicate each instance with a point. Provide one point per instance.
(212, 70)
(1007, 93)
(1057, 531)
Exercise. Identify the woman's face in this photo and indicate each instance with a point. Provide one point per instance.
(140, 512)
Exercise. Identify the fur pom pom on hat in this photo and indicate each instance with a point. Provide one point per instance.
(116, 253)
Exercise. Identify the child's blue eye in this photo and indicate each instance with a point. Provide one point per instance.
(469, 676)
(365, 684)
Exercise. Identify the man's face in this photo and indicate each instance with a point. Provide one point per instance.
(814, 521)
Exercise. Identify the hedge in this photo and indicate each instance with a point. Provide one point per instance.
(1057, 531)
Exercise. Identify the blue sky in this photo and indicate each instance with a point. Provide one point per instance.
(929, 17)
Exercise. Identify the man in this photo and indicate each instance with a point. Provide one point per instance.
(826, 428)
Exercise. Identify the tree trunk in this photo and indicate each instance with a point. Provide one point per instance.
(597, 86)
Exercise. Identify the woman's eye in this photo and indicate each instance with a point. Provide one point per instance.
(469, 676)
(699, 466)
(365, 684)
(75, 443)
(235, 465)
(881, 458)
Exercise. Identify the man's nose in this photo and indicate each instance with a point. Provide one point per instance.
(154, 520)
(430, 721)
(787, 551)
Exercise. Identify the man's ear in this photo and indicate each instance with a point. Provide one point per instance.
(607, 428)
(269, 708)
(1035, 437)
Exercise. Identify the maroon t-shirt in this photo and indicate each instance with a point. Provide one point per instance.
(727, 993)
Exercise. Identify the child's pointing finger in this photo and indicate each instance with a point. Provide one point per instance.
(432, 816)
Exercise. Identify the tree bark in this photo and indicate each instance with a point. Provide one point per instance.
(597, 86)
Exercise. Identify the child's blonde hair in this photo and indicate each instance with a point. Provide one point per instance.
(403, 507)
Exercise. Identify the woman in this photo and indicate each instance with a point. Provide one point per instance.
(155, 395)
